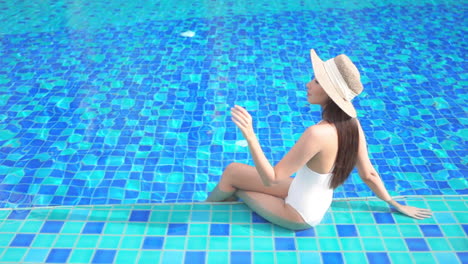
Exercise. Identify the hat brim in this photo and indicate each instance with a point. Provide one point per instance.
(327, 85)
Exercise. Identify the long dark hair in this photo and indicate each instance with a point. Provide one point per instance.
(348, 142)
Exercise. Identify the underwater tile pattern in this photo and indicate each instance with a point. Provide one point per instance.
(351, 232)
(115, 107)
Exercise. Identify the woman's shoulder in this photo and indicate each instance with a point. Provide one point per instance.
(321, 129)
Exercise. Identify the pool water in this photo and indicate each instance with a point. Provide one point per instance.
(117, 107)
(107, 104)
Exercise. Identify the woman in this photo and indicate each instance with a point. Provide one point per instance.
(323, 157)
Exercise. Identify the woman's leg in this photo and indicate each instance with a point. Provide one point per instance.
(238, 176)
(244, 182)
(273, 209)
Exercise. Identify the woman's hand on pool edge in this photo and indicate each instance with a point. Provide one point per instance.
(243, 121)
(414, 212)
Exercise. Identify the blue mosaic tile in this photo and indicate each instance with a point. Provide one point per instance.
(416, 244)
(332, 257)
(346, 230)
(52, 227)
(284, 244)
(177, 229)
(22, 240)
(378, 258)
(93, 228)
(104, 256)
(383, 218)
(431, 230)
(19, 214)
(153, 243)
(195, 257)
(219, 230)
(240, 257)
(140, 215)
(58, 255)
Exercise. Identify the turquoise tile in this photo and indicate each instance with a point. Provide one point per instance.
(373, 244)
(241, 217)
(65, 241)
(218, 243)
(99, 215)
(216, 257)
(395, 244)
(363, 218)
(36, 255)
(459, 244)
(400, 257)
(172, 242)
(355, 257)
(461, 217)
(438, 244)
(240, 243)
(130, 256)
(180, 217)
(326, 231)
(4, 214)
(438, 206)
(31, 227)
(199, 229)
(44, 240)
(368, 230)
(59, 214)
(11, 225)
(119, 215)
(5, 239)
(131, 242)
(151, 256)
(14, 255)
(81, 255)
(109, 242)
(329, 244)
(309, 257)
(112, 228)
(135, 228)
(424, 257)
(410, 231)
(285, 257)
(262, 230)
(158, 229)
(159, 216)
(452, 230)
(457, 205)
(446, 257)
(241, 230)
(73, 227)
(343, 218)
(263, 243)
(351, 243)
(197, 243)
(263, 257)
(221, 217)
(171, 257)
(88, 241)
(389, 230)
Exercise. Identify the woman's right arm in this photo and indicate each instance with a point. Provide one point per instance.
(370, 176)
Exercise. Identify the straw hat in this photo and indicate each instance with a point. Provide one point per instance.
(340, 79)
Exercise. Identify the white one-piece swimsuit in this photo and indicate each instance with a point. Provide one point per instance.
(310, 194)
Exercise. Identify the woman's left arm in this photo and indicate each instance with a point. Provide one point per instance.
(302, 151)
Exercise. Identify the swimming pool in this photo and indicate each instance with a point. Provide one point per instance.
(111, 106)
(106, 103)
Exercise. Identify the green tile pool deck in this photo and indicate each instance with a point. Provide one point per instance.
(353, 231)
